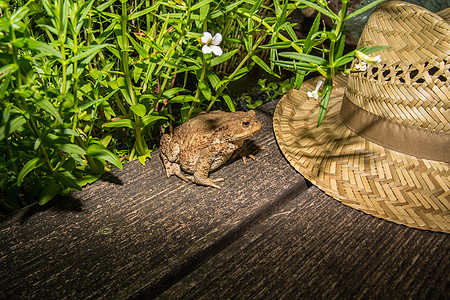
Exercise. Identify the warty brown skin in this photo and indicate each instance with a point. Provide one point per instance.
(205, 142)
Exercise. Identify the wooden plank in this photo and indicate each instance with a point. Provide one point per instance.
(316, 248)
(137, 232)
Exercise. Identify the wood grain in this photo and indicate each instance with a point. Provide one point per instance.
(316, 248)
(139, 231)
(266, 234)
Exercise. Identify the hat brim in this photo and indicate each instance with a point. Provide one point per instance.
(361, 174)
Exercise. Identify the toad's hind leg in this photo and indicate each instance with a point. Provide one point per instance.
(201, 172)
(173, 168)
(208, 181)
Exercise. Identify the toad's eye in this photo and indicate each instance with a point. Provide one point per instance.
(245, 124)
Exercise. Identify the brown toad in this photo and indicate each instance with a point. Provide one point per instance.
(205, 142)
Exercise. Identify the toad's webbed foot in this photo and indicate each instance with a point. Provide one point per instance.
(207, 181)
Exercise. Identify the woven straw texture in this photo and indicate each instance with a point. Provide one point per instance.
(410, 87)
(417, 66)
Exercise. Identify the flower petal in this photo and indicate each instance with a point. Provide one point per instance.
(217, 39)
(206, 38)
(377, 59)
(361, 66)
(313, 94)
(206, 49)
(216, 50)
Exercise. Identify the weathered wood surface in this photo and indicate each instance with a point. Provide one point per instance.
(266, 234)
(316, 248)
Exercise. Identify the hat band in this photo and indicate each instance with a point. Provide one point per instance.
(420, 142)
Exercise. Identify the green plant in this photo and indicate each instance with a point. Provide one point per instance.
(276, 89)
(87, 84)
(333, 61)
(45, 150)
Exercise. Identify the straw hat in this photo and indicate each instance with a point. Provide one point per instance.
(384, 145)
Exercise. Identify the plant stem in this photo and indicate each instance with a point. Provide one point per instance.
(126, 69)
(337, 31)
(231, 77)
(269, 28)
(197, 92)
(21, 102)
(75, 89)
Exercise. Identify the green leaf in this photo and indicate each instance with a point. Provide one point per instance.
(340, 45)
(227, 9)
(97, 150)
(123, 89)
(143, 12)
(204, 10)
(67, 179)
(278, 45)
(143, 157)
(43, 48)
(291, 32)
(91, 50)
(320, 9)
(141, 50)
(90, 103)
(62, 144)
(312, 31)
(148, 119)
(363, 9)
(37, 143)
(281, 15)
(264, 66)
(105, 5)
(49, 192)
(173, 91)
(204, 88)
(121, 123)
(373, 49)
(296, 65)
(88, 178)
(81, 14)
(256, 6)
(220, 59)
(347, 58)
(6, 112)
(200, 4)
(11, 126)
(48, 107)
(29, 166)
(66, 131)
(17, 16)
(182, 99)
(139, 109)
(5, 70)
(326, 94)
(305, 57)
(242, 72)
(229, 102)
(212, 78)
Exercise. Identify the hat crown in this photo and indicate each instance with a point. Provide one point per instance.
(384, 146)
(411, 84)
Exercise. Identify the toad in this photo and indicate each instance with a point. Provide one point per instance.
(205, 142)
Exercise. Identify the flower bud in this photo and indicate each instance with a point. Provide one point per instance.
(368, 59)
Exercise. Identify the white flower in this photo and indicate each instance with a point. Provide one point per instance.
(360, 67)
(368, 59)
(315, 94)
(211, 44)
(377, 59)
